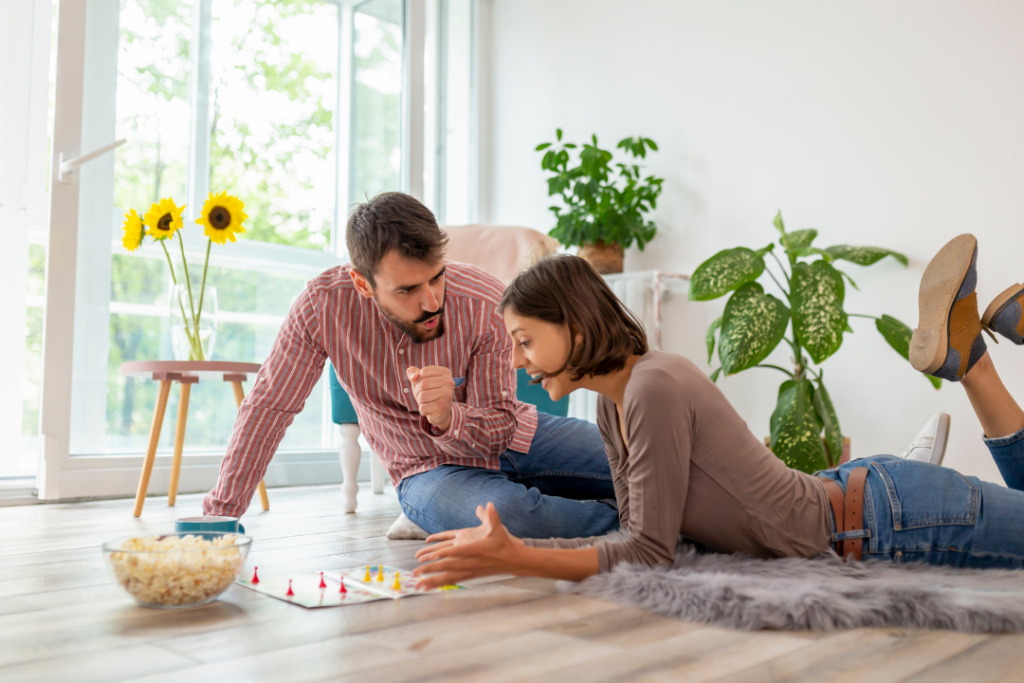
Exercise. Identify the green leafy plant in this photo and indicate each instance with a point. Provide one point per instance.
(603, 202)
(805, 431)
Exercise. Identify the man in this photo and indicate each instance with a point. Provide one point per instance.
(419, 346)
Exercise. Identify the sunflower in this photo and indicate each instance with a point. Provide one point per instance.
(133, 231)
(163, 219)
(222, 215)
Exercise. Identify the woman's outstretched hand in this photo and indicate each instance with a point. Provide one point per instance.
(468, 553)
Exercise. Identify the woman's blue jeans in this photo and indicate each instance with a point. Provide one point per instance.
(916, 512)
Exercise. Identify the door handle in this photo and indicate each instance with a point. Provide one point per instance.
(69, 165)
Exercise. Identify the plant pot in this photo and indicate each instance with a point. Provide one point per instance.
(605, 258)
(843, 459)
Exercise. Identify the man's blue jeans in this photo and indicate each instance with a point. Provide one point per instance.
(916, 512)
(562, 488)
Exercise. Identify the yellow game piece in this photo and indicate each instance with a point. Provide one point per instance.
(397, 586)
(380, 573)
(367, 578)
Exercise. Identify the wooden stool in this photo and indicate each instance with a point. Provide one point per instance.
(185, 373)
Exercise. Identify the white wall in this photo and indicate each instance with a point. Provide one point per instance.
(889, 124)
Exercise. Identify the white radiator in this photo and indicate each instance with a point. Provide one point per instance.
(642, 292)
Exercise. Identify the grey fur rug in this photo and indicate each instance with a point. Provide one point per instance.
(820, 594)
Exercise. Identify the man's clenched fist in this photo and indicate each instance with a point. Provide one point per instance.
(432, 388)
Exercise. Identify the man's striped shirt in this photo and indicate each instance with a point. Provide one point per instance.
(331, 320)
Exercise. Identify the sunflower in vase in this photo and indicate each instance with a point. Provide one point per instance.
(222, 218)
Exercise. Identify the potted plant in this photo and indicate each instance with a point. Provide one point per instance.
(805, 431)
(605, 205)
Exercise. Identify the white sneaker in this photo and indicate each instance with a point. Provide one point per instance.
(405, 528)
(930, 444)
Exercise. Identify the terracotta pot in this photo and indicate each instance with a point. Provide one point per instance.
(606, 258)
(843, 459)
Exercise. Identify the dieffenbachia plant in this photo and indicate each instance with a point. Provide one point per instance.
(805, 431)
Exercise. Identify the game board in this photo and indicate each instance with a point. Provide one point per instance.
(384, 580)
(306, 591)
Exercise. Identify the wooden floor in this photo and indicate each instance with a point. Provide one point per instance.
(61, 619)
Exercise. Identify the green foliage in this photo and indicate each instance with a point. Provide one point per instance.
(602, 201)
(272, 163)
(800, 239)
(863, 256)
(817, 292)
(754, 324)
(898, 335)
(709, 338)
(796, 427)
(725, 271)
(829, 420)
(805, 430)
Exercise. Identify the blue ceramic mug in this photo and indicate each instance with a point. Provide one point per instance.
(227, 525)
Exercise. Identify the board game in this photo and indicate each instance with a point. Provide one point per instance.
(309, 590)
(339, 588)
(386, 581)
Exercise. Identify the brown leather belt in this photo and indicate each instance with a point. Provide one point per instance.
(848, 511)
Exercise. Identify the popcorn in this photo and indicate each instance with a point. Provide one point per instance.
(176, 570)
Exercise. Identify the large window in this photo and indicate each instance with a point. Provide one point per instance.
(254, 85)
(449, 77)
(272, 104)
(295, 106)
(152, 107)
(376, 154)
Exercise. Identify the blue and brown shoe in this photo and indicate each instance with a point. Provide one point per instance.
(1003, 315)
(948, 340)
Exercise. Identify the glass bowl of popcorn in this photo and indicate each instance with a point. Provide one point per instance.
(178, 569)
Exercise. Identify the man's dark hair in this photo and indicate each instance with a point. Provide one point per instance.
(392, 220)
(566, 290)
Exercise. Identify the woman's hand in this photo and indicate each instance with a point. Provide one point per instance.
(468, 553)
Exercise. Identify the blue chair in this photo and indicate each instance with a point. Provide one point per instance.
(344, 413)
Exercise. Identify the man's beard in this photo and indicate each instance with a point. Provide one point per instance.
(418, 335)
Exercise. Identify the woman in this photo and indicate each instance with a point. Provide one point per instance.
(684, 462)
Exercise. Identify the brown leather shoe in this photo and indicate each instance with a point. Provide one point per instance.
(1004, 315)
(948, 340)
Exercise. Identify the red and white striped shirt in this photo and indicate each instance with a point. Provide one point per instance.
(332, 320)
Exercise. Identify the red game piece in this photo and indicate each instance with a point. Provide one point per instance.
(343, 586)
(289, 593)
(322, 584)
(255, 579)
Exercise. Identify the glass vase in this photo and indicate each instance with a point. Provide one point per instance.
(192, 337)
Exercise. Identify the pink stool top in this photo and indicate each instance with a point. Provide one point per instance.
(189, 371)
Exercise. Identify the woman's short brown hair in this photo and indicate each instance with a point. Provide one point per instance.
(566, 290)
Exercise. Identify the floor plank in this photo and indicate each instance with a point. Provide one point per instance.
(996, 659)
(116, 664)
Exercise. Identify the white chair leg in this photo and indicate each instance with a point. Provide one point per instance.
(376, 473)
(350, 457)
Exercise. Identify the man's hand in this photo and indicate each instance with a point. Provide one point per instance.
(432, 388)
(469, 553)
